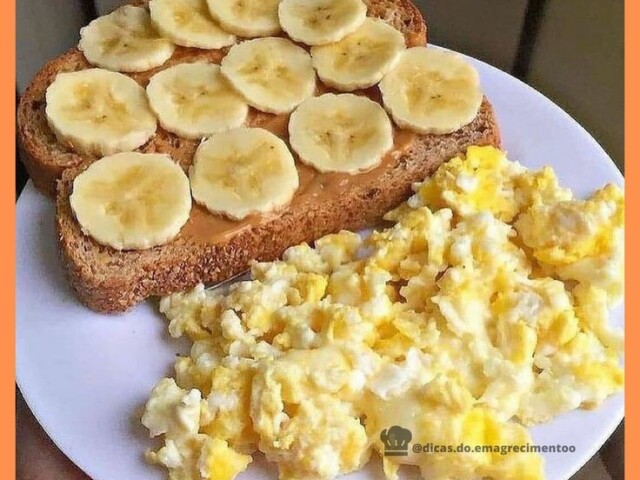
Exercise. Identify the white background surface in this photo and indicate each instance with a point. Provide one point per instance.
(85, 376)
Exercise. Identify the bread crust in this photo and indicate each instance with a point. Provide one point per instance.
(112, 281)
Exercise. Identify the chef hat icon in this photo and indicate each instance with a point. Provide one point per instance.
(396, 440)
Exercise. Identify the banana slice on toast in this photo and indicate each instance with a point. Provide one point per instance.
(247, 18)
(273, 74)
(361, 59)
(243, 171)
(132, 200)
(189, 23)
(125, 41)
(432, 91)
(318, 22)
(194, 100)
(99, 112)
(340, 133)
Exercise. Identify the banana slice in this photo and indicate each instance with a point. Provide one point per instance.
(361, 59)
(125, 41)
(194, 100)
(340, 133)
(243, 171)
(273, 74)
(247, 18)
(189, 23)
(132, 200)
(317, 22)
(99, 112)
(431, 91)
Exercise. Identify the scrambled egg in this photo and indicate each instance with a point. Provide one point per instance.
(482, 310)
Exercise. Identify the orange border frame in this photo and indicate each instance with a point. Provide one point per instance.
(632, 173)
(7, 241)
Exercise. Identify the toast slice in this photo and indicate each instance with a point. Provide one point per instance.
(210, 249)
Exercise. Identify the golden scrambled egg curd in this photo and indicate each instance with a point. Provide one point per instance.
(482, 310)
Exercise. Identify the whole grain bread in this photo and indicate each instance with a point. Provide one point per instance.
(110, 281)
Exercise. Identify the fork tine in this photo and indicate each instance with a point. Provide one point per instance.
(227, 282)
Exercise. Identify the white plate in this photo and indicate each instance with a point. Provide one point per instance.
(84, 375)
